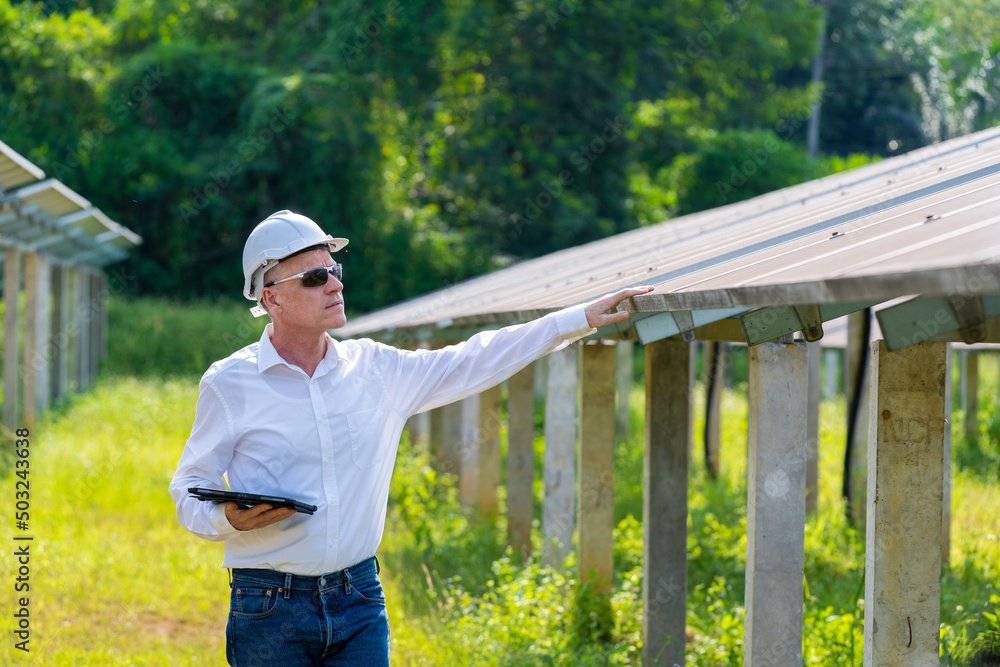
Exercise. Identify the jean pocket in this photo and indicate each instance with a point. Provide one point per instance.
(253, 601)
(369, 589)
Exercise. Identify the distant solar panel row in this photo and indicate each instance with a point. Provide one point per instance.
(47, 216)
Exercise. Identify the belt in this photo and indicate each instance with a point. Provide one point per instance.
(288, 581)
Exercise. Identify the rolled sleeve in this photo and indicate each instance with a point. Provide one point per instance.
(217, 517)
(572, 323)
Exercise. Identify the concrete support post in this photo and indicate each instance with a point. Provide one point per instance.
(713, 408)
(97, 301)
(84, 314)
(490, 421)
(36, 336)
(624, 350)
(520, 459)
(419, 425)
(60, 317)
(776, 504)
(43, 388)
(435, 441)
(831, 362)
(468, 456)
(597, 467)
(72, 331)
(970, 393)
(692, 375)
(665, 501)
(11, 347)
(903, 532)
(450, 460)
(435, 434)
(105, 297)
(946, 462)
(541, 380)
(812, 428)
(558, 505)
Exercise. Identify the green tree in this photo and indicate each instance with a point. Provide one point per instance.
(869, 104)
(50, 70)
(957, 49)
(741, 164)
(444, 139)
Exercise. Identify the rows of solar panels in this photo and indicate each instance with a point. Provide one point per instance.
(923, 223)
(44, 215)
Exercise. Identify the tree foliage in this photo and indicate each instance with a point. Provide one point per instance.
(902, 74)
(448, 138)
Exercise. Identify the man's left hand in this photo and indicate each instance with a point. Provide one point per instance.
(602, 312)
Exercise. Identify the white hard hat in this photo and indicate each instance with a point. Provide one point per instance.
(278, 237)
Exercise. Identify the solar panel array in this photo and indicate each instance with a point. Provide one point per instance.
(927, 222)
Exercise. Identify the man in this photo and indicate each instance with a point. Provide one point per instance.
(300, 414)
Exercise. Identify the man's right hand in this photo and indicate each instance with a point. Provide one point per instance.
(257, 516)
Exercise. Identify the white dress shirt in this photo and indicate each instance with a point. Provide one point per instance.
(330, 440)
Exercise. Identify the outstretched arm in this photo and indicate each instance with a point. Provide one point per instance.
(602, 311)
(428, 379)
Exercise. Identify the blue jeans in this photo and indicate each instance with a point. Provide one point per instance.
(290, 620)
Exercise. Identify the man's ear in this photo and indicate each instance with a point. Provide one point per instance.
(270, 298)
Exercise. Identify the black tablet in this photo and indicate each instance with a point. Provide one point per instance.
(250, 499)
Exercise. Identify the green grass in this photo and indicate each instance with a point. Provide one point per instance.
(490, 610)
(115, 580)
(155, 336)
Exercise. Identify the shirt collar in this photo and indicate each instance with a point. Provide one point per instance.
(268, 357)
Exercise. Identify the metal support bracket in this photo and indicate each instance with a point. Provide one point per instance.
(625, 328)
(969, 312)
(685, 323)
(970, 318)
(811, 322)
(773, 322)
(660, 325)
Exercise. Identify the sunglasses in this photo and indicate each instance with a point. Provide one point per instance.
(314, 277)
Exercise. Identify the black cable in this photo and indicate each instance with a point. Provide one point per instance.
(710, 390)
(852, 415)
